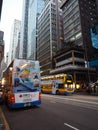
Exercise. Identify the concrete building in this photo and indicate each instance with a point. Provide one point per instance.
(97, 6)
(1, 52)
(50, 32)
(14, 39)
(78, 20)
(71, 60)
(1, 2)
(18, 46)
(6, 61)
(1, 46)
(24, 30)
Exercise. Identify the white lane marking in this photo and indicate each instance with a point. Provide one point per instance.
(71, 126)
(74, 100)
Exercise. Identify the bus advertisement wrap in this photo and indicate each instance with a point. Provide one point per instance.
(22, 83)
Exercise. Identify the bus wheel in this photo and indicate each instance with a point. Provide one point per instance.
(57, 92)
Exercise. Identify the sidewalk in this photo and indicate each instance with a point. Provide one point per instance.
(86, 92)
(3, 123)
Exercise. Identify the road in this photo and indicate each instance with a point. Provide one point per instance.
(75, 112)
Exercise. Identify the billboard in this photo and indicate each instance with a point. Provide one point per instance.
(94, 36)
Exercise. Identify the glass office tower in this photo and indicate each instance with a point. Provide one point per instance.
(78, 18)
(35, 8)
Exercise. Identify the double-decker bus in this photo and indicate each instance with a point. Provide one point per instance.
(21, 83)
(57, 84)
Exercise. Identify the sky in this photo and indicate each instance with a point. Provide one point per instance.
(11, 9)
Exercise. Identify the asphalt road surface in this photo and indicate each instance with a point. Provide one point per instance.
(56, 113)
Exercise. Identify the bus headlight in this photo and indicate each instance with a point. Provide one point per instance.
(77, 86)
(74, 85)
(65, 85)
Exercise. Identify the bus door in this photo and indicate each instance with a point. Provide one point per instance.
(54, 87)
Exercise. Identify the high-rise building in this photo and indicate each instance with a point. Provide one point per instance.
(78, 19)
(14, 39)
(79, 22)
(1, 52)
(1, 46)
(18, 46)
(31, 11)
(49, 34)
(24, 30)
(35, 8)
(6, 60)
(1, 2)
(97, 6)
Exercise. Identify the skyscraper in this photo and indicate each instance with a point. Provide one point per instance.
(35, 8)
(97, 6)
(78, 19)
(31, 11)
(1, 1)
(49, 34)
(1, 45)
(14, 39)
(18, 46)
(2, 66)
(24, 30)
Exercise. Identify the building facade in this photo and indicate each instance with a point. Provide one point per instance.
(14, 39)
(49, 34)
(24, 30)
(1, 2)
(18, 46)
(1, 52)
(71, 60)
(35, 8)
(97, 6)
(1, 46)
(78, 18)
(78, 21)
(28, 41)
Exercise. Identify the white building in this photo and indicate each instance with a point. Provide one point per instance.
(14, 39)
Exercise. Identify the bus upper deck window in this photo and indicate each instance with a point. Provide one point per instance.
(69, 77)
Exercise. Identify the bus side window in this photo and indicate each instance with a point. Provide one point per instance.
(60, 86)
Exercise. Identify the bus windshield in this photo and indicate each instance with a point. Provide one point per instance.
(69, 79)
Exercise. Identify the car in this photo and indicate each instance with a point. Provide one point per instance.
(1, 96)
